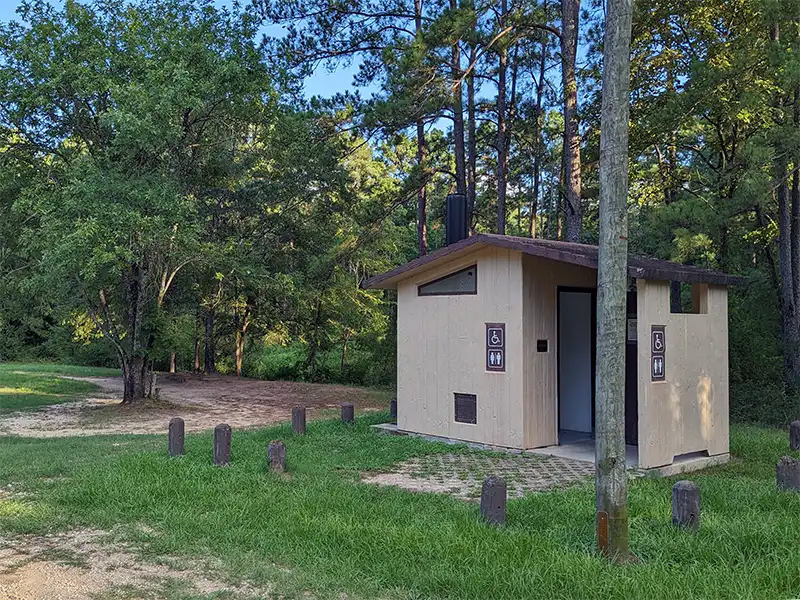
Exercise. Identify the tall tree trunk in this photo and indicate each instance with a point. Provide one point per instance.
(197, 354)
(313, 346)
(345, 339)
(136, 365)
(422, 200)
(761, 223)
(537, 156)
(570, 10)
(795, 232)
(209, 351)
(612, 279)
(172, 362)
(472, 148)
(458, 113)
(788, 244)
(241, 325)
(501, 125)
(790, 319)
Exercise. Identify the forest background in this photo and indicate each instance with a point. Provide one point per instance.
(172, 198)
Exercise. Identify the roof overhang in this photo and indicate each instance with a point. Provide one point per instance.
(583, 255)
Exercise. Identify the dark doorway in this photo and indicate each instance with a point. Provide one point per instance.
(577, 326)
(631, 374)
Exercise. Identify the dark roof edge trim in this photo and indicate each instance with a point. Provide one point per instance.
(577, 254)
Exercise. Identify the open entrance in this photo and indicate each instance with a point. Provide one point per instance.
(577, 335)
(576, 361)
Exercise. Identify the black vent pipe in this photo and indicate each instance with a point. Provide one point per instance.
(455, 219)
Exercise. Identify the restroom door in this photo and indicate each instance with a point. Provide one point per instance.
(576, 334)
(631, 374)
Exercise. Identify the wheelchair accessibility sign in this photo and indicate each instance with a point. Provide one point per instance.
(496, 347)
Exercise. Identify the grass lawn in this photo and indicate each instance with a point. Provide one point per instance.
(30, 386)
(319, 529)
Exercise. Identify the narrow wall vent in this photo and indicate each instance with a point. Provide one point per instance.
(466, 408)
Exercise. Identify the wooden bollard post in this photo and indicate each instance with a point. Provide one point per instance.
(176, 431)
(299, 420)
(686, 505)
(348, 413)
(493, 501)
(276, 455)
(787, 474)
(393, 409)
(222, 445)
(794, 435)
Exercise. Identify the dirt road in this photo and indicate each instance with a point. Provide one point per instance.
(202, 401)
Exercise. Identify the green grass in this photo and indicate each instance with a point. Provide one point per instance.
(31, 386)
(319, 529)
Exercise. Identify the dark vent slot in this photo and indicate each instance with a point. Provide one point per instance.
(541, 345)
(466, 408)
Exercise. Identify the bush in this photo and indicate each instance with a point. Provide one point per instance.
(363, 365)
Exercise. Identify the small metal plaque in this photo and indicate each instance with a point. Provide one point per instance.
(658, 350)
(631, 333)
(496, 347)
(466, 408)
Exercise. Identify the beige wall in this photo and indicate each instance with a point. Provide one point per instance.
(541, 280)
(688, 412)
(441, 347)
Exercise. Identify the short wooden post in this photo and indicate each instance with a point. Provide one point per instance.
(393, 409)
(222, 445)
(276, 455)
(794, 435)
(348, 413)
(299, 420)
(788, 474)
(493, 501)
(686, 505)
(176, 431)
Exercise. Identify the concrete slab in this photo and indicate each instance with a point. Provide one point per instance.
(585, 451)
(580, 447)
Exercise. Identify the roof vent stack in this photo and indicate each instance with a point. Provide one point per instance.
(455, 218)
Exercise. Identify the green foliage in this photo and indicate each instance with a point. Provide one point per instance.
(368, 363)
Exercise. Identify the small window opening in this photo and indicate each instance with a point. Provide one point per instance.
(688, 298)
(461, 282)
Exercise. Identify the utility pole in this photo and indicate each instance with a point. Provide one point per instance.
(612, 280)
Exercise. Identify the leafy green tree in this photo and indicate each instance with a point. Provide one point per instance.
(130, 109)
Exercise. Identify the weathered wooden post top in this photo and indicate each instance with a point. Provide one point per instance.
(496, 339)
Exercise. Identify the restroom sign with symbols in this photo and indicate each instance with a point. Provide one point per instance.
(496, 347)
(658, 350)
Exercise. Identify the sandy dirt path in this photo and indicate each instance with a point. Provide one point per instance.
(202, 401)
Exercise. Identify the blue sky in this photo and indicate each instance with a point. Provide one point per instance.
(321, 83)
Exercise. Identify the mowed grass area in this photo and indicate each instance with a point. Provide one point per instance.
(30, 386)
(319, 529)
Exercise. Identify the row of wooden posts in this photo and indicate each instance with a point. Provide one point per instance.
(685, 494)
(685, 503)
(276, 451)
(494, 492)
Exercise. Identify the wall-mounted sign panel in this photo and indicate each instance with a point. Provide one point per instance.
(631, 330)
(658, 350)
(496, 347)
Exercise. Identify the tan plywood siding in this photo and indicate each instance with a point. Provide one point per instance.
(440, 350)
(688, 412)
(541, 280)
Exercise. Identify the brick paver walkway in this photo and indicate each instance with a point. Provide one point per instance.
(462, 474)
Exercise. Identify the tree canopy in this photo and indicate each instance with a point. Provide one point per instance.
(171, 198)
